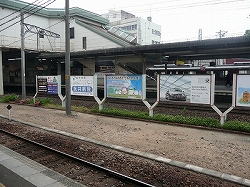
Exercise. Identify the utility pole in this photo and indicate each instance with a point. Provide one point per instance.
(200, 34)
(221, 33)
(23, 58)
(67, 59)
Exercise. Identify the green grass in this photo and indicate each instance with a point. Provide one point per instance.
(9, 98)
(14, 98)
(196, 121)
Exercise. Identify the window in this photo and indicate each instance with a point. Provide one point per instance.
(84, 43)
(72, 32)
(41, 34)
(158, 33)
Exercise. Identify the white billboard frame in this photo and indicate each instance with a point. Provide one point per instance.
(242, 97)
(188, 88)
(54, 78)
(81, 85)
(125, 86)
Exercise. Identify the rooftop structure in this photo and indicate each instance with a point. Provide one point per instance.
(146, 31)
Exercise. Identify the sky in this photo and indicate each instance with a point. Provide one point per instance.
(180, 20)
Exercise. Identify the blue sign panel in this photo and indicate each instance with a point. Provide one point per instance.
(124, 86)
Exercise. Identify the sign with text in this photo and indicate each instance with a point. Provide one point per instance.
(82, 85)
(200, 89)
(186, 88)
(48, 84)
(124, 86)
(243, 90)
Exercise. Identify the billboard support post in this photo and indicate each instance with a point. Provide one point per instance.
(100, 102)
(223, 116)
(49, 85)
(151, 108)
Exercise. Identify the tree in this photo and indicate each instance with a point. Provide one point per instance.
(247, 32)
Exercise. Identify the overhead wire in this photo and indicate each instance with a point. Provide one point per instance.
(18, 10)
(209, 6)
(195, 5)
(34, 34)
(186, 5)
(30, 14)
(25, 11)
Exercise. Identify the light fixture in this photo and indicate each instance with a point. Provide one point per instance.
(13, 59)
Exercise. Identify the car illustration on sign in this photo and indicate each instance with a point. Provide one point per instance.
(175, 94)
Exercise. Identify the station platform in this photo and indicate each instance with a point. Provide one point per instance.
(17, 170)
(225, 90)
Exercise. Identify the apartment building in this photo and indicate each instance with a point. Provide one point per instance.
(146, 31)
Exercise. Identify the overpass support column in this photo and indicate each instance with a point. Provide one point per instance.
(1, 73)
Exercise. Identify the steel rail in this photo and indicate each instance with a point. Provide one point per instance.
(120, 176)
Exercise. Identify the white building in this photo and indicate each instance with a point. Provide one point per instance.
(44, 30)
(88, 30)
(146, 31)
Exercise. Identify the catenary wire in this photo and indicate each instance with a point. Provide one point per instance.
(34, 34)
(188, 5)
(25, 11)
(175, 7)
(29, 14)
(17, 10)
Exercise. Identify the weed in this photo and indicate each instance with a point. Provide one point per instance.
(9, 98)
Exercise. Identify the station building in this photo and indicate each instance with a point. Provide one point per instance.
(44, 32)
(94, 40)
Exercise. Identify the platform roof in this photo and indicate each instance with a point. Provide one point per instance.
(234, 47)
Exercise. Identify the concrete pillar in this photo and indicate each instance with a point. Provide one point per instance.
(59, 69)
(89, 66)
(1, 73)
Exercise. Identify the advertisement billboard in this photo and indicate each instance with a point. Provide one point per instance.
(124, 86)
(186, 88)
(243, 91)
(48, 84)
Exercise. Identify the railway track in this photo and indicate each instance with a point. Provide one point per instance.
(83, 171)
(95, 165)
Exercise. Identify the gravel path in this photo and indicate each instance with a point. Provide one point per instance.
(224, 152)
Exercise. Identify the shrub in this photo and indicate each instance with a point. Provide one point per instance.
(125, 113)
(199, 121)
(45, 101)
(191, 120)
(27, 101)
(38, 102)
(237, 126)
(22, 101)
(9, 98)
(42, 101)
